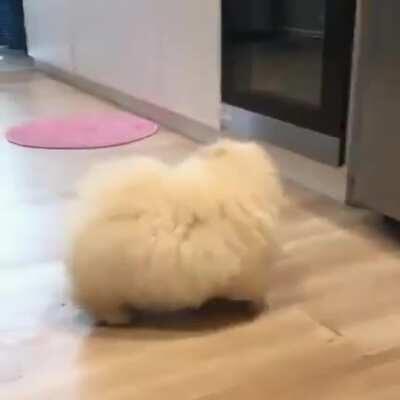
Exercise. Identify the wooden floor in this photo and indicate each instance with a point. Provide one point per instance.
(332, 331)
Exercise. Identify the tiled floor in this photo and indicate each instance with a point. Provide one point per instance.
(331, 332)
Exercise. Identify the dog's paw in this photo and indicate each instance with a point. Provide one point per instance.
(258, 305)
(114, 319)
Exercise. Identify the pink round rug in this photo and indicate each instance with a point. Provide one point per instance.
(88, 131)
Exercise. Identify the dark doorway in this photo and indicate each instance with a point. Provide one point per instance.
(12, 25)
(290, 60)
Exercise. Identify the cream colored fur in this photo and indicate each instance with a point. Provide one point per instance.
(162, 238)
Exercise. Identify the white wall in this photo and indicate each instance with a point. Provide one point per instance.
(164, 52)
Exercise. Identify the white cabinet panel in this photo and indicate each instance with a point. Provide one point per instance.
(163, 52)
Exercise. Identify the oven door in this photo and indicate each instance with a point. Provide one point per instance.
(289, 60)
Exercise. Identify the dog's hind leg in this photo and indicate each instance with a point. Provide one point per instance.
(117, 317)
(110, 314)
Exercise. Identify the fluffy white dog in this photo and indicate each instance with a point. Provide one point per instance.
(160, 238)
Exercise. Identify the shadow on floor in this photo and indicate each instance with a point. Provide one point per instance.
(214, 316)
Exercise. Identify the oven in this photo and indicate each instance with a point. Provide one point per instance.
(286, 70)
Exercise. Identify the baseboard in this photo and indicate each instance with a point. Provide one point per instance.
(311, 174)
(314, 145)
(188, 127)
